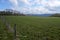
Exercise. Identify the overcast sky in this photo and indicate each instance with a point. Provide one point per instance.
(32, 6)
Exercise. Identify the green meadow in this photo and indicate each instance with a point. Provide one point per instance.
(33, 27)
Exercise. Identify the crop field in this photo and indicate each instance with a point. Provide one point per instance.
(4, 34)
(35, 27)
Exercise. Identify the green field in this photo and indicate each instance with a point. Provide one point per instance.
(36, 28)
(4, 34)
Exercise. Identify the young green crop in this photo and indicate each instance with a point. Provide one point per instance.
(36, 28)
(4, 34)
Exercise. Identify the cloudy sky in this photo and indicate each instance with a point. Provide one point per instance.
(32, 6)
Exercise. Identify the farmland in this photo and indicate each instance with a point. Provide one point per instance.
(34, 27)
(4, 34)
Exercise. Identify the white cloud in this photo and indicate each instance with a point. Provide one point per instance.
(25, 1)
(14, 3)
(34, 10)
(46, 6)
(30, 2)
(54, 3)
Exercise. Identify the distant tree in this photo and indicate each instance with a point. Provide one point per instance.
(5, 13)
(11, 12)
(56, 15)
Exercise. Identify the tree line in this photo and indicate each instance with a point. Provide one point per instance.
(11, 13)
(55, 15)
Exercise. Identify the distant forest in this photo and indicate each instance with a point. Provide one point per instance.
(55, 15)
(11, 12)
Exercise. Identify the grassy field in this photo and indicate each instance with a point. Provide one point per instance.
(36, 28)
(4, 33)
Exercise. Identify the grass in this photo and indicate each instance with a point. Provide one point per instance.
(36, 28)
(4, 34)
